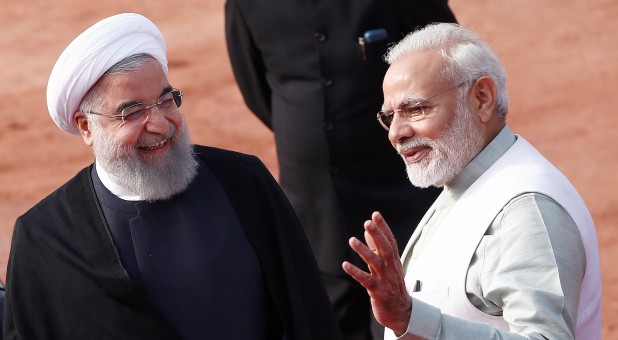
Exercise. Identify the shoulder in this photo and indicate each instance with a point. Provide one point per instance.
(535, 231)
(234, 169)
(59, 199)
(219, 154)
(540, 220)
(228, 159)
(533, 206)
(45, 228)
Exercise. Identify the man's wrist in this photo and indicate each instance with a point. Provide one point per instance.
(402, 325)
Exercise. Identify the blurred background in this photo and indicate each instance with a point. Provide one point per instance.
(561, 58)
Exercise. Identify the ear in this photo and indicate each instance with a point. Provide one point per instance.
(81, 121)
(484, 92)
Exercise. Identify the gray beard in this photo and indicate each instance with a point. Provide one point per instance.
(152, 178)
(449, 154)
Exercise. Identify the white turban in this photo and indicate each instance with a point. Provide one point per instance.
(91, 54)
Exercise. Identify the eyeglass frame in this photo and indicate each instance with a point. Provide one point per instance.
(176, 97)
(417, 105)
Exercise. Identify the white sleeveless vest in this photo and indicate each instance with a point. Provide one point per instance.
(443, 264)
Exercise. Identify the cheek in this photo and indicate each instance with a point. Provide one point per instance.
(433, 127)
(128, 137)
(177, 120)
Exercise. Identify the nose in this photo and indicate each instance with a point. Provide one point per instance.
(400, 130)
(156, 121)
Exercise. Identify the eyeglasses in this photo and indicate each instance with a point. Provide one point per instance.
(167, 103)
(413, 109)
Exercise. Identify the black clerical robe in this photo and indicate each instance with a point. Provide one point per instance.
(65, 279)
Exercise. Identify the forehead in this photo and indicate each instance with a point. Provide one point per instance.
(415, 75)
(144, 83)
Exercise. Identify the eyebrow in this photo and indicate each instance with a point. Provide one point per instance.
(406, 101)
(129, 103)
(166, 90)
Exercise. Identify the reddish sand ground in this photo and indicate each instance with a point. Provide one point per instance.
(561, 57)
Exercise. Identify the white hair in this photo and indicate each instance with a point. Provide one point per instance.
(467, 56)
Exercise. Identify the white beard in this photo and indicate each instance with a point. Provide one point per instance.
(152, 178)
(449, 154)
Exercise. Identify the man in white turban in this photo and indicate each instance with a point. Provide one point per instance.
(158, 238)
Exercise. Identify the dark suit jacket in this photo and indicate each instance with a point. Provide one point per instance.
(300, 69)
(65, 279)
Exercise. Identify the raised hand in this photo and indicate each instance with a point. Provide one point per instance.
(384, 282)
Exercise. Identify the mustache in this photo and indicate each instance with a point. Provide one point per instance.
(412, 143)
(147, 140)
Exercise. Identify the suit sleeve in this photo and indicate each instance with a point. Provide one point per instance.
(247, 64)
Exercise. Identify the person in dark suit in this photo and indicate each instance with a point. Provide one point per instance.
(312, 72)
(158, 238)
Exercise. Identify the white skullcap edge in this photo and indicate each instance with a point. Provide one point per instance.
(91, 54)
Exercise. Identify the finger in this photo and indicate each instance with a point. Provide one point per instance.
(384, 245)
(368, 238)
(381, 224)
(371, 258)
(362, 277)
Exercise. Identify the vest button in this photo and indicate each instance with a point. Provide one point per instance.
(319, 37)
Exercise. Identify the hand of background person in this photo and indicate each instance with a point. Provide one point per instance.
(391, 303)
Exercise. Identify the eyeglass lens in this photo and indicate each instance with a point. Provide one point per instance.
(167, 103)
(386, 118)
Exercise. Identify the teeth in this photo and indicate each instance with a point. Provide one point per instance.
(155, 146)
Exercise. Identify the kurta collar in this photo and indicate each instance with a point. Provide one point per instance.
(110, 183)
(483, 161)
